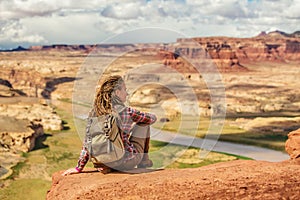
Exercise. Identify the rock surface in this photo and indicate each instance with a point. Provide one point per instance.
(230, 180)
(35, 113)
(22, 139)
(23, 123)
(292, 145)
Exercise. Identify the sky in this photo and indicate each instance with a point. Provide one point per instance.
(45, 22)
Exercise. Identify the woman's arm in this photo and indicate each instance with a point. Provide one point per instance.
(83, 159)
(141, 117)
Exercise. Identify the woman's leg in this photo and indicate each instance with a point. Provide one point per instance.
(140, 139)
(146, 162)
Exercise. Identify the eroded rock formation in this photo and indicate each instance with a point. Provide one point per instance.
(36, 113)
(228, 54)
(20, 140)
(22, 124)
(292, 145)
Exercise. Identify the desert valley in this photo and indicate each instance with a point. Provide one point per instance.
(249, 84)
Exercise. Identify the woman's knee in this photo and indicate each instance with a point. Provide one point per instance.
(142, 131)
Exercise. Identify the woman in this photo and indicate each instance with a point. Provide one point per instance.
(111, 96)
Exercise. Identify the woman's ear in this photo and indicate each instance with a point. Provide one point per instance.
(117, 92)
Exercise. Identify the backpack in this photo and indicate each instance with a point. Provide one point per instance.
(104, 141)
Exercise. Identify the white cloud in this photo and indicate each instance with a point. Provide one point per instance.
(16, 32)
(79, 21)
(123, 11)
(16, 9)
(72, 29)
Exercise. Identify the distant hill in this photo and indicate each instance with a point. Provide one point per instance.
(109, 47)
(278, 33)
(295, 34)
(19, 48)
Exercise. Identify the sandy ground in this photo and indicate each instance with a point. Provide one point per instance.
(230, 180)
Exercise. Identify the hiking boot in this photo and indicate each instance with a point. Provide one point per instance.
(145, 164)
(105, 170)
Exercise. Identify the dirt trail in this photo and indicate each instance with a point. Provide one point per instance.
(230, 180)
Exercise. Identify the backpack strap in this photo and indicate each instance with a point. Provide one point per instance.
(107, 124)
(116, 112)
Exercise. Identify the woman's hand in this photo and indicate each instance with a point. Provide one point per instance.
(71, 171)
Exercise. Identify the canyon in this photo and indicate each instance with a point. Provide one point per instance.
(258, 75)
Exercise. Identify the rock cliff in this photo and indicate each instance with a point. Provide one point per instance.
(239, 179)
(228, 54)
(35, 113)
(229, 180)
(19, 135)
(292, 146)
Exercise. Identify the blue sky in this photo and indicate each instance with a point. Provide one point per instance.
(45, 22)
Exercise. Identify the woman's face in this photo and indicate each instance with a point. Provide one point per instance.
(122, 93)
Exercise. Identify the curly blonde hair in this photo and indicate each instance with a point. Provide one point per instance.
(105, 96)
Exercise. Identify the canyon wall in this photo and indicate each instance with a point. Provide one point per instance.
(229, 54)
